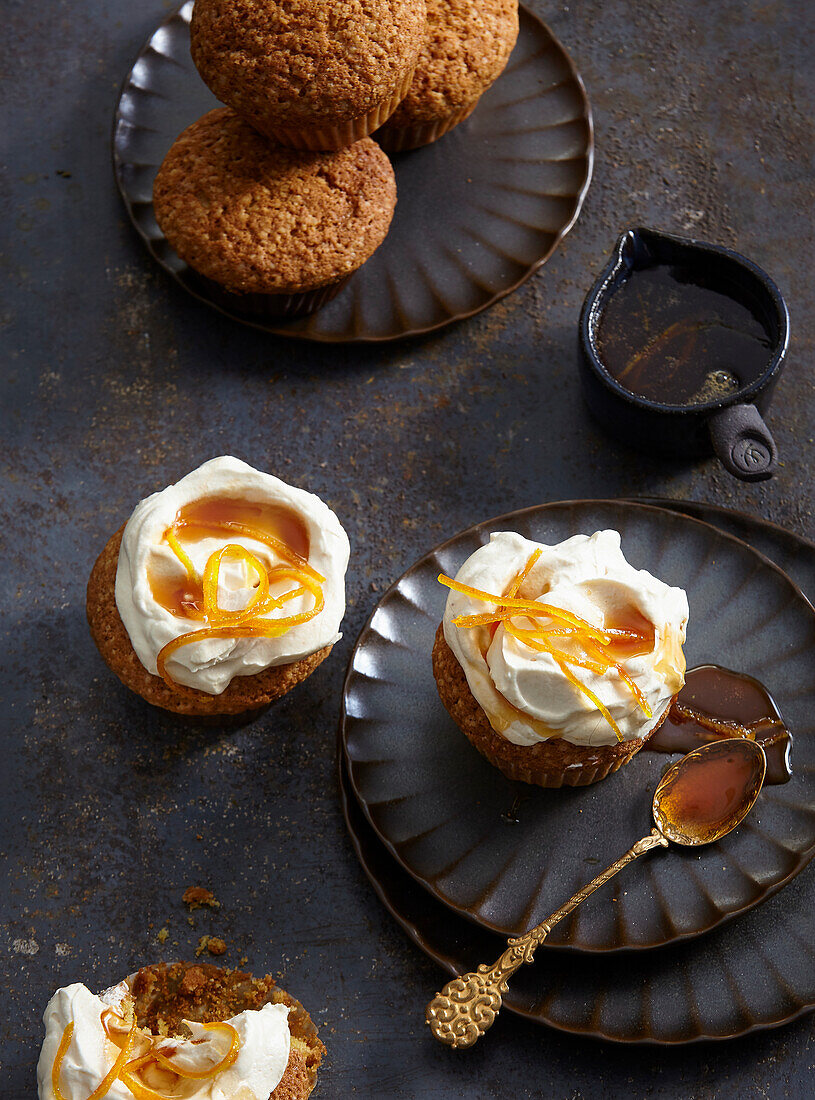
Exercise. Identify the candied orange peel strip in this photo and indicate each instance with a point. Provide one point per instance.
(521, 576)
(279, 547)
(570, 676)
(564, 625)
(533, 608)
(125, 1071)
(62, 1049)
(247, 622)
(201, 1075)
(113, 1074)
(642, 702)
(539, 642)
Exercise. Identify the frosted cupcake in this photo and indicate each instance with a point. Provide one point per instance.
(221, 592)
(559, 662)
(180, 1030)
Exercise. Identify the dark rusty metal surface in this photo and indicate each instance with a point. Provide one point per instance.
(115, 383)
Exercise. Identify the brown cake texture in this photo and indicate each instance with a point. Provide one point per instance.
(310, 74)
(166, 994)
(466, 48)
(244, 693)
(256, 219)
(552, 763)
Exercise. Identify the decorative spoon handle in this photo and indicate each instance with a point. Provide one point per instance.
(467, 1006)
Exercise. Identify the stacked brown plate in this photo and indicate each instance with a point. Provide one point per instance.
(679, 949)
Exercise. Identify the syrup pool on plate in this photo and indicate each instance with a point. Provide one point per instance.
(666, 336)
(716, 704)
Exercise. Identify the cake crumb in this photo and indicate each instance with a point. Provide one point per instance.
(163, 935)
(198, 896)
(214, 944)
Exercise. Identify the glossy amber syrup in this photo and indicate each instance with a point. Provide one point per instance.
(633, 622)
(709, 791)
(203, 519)
(715, 704)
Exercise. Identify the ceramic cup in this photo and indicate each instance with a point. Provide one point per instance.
(731, 426)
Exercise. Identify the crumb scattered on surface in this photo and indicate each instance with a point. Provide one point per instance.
(163, 935)
(214, 944)
(197, 896)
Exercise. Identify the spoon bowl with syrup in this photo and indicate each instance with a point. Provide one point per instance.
(682, 345)
(700, 799)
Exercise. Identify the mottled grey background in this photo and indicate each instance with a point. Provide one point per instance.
(114, 383)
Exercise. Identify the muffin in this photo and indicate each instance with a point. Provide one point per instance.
(559, 662)
(180, 1029)
(466, 48)
(221, 592)
(309, 74)
(269, 231)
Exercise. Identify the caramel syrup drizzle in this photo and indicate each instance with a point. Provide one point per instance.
(124, 1069)
(589, 647)
(200, 600)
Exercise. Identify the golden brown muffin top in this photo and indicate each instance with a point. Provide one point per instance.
(293, 62)
(257, 218)
(466, 48)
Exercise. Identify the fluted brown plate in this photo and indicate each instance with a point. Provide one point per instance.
(478, 211)
(754, 973)
(505, 855)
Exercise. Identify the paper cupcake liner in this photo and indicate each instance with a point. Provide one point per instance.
(278, 307)
(542, 772)
(399, 139)
(553, 763)
(329, 136)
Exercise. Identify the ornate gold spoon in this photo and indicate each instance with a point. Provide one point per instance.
(700, 799)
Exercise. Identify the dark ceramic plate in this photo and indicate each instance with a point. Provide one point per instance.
(504, 854)
(479, 211)
(756, 973)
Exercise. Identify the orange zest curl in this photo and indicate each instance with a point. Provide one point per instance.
(113, 1074)
(594, 642)
(515, 587)
(532, 608)
(125, 1071)
(201, 1075)
(62, 1049)
(247, 622)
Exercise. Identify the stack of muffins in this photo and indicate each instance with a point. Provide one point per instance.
(276, 199)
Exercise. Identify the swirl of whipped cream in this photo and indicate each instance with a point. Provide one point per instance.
(525, 693)
(262, 1058)
(210, 665)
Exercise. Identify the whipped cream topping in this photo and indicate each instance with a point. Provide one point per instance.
(525, 693)
(211, 664)
(261, 1062)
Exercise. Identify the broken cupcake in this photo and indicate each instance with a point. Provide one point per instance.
(221, 592)
(178, 1030)
(558, 662)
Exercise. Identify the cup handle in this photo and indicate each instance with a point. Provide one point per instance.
(743, 443)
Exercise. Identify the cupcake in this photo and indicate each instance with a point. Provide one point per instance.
(559, 662)
(180, 1030)
(221, 592)
(466, 48)
(309, 74)
(269, 231)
